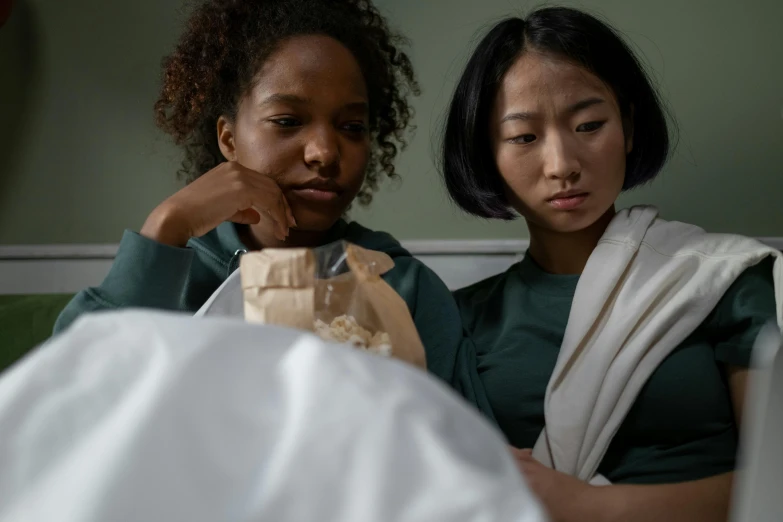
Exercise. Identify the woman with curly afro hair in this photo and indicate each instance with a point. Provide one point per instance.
(288, 111)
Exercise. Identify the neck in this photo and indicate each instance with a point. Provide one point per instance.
(262, 235)
(566, 252)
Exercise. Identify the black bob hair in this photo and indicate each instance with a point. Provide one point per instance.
(468, 163)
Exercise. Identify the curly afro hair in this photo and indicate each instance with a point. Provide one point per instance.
(226, 42)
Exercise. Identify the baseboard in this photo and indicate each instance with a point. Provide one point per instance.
(416, 247)
(69, 251)
(434, 247)
(43, 269)
(40, 269)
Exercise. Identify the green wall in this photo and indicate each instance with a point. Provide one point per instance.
(80, 159)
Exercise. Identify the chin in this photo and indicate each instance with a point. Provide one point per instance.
(568, 222)
(308, 221)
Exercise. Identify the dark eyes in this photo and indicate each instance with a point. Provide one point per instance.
(286, 122)
(291, 123)
(590, 126)
(523, 139)
(530, 138)
(355, 127)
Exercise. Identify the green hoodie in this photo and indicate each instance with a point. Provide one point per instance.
(147, 274)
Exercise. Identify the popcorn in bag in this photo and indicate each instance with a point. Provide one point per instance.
(336, 291)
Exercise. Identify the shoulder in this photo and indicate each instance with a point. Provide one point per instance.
(678, 238)
(748, 305)
(409, 274)
(416, 282)
(372, 239)
(753, 292)
(484, 290)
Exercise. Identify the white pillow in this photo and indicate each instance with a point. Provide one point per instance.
(156, 416)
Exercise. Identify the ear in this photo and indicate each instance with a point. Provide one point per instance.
(628, 130)
(225, 136)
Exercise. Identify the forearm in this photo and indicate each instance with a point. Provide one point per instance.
(145, 274)
(705, 500)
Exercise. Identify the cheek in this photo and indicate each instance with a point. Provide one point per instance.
(262, 151)
(609, 159)
(265, 151)
(518, 173)
(355, 154)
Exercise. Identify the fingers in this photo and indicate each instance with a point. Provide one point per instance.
(289, 212)
(268, 199)
(282, 212)
(246, 217)
(524, 460)
(285, 213)
(525, 454)
(280, 222)
(261, 196)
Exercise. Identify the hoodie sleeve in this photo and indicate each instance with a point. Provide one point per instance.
(450, 353)
(145, 274)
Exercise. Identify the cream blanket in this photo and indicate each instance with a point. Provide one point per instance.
(648, 284)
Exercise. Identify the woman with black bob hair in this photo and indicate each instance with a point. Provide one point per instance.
(615, 354)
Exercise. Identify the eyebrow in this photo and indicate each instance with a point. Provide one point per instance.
(284, 98)
(571, 109)
(358, 106)
(298, 100)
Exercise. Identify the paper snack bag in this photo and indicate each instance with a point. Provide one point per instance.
(336, 291)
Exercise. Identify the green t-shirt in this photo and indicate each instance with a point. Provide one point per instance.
(681, 426)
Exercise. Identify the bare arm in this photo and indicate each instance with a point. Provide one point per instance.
(738, 378)
(699, 500)
(570, 500)
(705, 500)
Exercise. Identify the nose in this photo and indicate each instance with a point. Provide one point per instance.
(322, 148)
(561, 160)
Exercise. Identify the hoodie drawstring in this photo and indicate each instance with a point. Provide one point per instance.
(233, 263)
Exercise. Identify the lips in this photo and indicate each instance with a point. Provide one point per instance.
(317, 190)
(312, 194)
(568, 200)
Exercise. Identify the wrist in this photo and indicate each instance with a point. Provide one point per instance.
(602, 504)
(165, 226)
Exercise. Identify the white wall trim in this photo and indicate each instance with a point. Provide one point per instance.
(40, 269)
(419, 247)
(416, 246)
(71, 251)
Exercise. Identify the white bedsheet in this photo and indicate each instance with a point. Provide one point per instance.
(153, 416)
